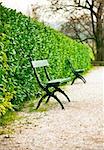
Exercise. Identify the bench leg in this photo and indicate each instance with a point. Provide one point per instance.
(52, 93)
(73, 80)
(48, 99)
(82, 78)
(41, 100)
(55, 97)
(61, 91)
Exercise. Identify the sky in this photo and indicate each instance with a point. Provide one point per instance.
(25, 7)
(22, 5)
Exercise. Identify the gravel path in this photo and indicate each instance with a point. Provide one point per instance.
(78, 127)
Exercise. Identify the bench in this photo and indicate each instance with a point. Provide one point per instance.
(77, 73)
(51, 86)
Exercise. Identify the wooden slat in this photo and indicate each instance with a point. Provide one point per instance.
(40, 63)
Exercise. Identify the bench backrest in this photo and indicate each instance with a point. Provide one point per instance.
(71, 66)
(37, 64)
(40, 63)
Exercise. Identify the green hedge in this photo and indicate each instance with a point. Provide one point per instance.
(22, 36)
(6, 86)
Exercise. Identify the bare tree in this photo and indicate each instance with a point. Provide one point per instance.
(96, 14)
(89, 15)
(33, 11)
(80, 28)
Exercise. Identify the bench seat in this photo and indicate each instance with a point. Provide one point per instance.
(59, 81)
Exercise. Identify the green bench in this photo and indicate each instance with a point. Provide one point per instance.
(51, 86)
(77, 73)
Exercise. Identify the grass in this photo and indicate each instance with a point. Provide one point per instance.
(8, 118)
(6, 131)
(31, 105)
(28, 107)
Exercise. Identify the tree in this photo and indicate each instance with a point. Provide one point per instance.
(96, 9)
(89, 15)
(79, 28)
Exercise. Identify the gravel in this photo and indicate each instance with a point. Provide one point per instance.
(78, 127)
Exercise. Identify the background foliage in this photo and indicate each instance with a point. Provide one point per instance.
(21, 37)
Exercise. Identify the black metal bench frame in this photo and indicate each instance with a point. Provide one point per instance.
(51, 86)
(77, 73)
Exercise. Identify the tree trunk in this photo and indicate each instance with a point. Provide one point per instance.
(100, 54)
(100, 34)
(100, 44)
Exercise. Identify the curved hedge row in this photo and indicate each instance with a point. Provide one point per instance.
(22, 36)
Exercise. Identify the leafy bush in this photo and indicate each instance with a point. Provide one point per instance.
(22, 37)
(6, 87)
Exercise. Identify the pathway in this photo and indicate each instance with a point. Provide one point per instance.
(78, 127)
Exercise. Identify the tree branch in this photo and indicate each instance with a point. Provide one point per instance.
(89, 38)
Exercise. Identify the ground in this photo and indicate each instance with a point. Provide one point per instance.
(78, 127)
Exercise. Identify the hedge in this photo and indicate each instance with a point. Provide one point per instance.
(21, 37)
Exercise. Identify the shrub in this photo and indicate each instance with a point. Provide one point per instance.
(6, 86)
(22, 37)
